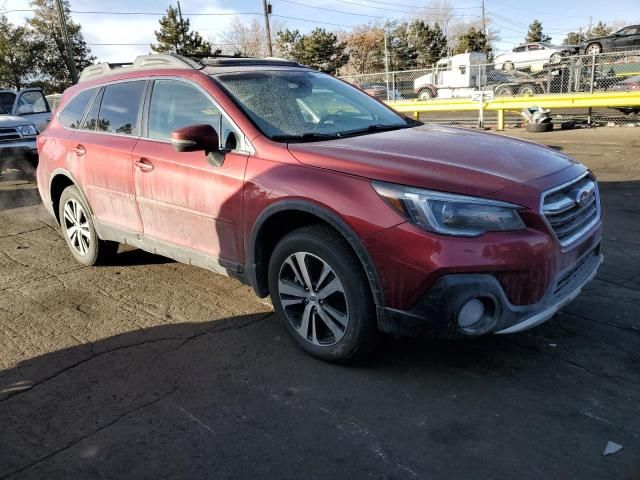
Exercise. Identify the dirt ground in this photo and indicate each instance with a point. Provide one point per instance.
(148, 368)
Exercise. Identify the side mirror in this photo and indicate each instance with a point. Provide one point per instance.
(195, 138)
(26, 109)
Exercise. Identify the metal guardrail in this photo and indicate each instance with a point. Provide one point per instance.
(504, 104)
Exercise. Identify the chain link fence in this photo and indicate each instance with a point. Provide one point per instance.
(461, 75)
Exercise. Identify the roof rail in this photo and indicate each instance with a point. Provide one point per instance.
(172, 60)
(142, 61)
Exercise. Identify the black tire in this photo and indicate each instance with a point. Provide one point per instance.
(539, 127)
(504, 92)
(96, 251)
(555, 58)
(593, 48)
(319, 245)
(425, 94)
(527, 89)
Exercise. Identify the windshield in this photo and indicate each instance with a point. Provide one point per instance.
(296, 105)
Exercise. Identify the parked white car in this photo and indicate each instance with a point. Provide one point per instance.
(533, 56)
(29, 103)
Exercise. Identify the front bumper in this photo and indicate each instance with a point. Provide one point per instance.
(437, 313)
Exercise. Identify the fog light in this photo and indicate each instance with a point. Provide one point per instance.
(471, 313)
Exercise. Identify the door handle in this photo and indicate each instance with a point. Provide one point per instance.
(144, 165)
(79, 150)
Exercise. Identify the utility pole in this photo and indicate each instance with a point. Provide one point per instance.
(267, 12)
(180, 38)
(484, 21)
(67, 43)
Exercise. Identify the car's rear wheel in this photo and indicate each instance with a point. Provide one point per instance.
(79, 232)
(504, 91)
(593, 49)
(320, 292)
(527, 89)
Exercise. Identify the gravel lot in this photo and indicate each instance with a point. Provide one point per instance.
(152, 369)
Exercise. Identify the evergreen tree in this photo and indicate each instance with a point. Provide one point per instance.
(48, 42)
(473, 41)
(430, 43)
(402, 50)
(175, 36)
(574, 38)
(17, 55)
(535, 33)
(319, 49)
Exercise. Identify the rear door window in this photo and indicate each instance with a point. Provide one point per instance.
(71, 114)
(120, 107)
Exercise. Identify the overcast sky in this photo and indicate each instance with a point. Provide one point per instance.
(510, 18)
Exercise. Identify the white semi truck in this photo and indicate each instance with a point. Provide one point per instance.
(460, 75)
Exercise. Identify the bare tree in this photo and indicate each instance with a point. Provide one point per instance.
(247, 38)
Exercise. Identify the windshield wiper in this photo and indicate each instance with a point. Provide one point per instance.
(305, 137)
(377, 127)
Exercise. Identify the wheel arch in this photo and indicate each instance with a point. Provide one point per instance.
(60, 180)
(298, 213)
(430, 88)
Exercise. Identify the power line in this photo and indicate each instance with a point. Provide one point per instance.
(155, 14)
(414, 8)
(331, 9)
(419, 7)
(538, 11)
(312, 21)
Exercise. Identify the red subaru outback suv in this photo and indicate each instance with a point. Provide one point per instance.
(352, 217)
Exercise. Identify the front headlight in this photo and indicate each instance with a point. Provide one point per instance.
(27, 130)
(450, 214)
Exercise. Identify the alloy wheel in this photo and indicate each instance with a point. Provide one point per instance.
(76, 226)
(593, 49)
(313, 299)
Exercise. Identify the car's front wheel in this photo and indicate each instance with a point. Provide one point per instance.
(593, 49)
(79, 232)
(320, 292)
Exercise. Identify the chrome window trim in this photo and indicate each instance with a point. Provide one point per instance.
(568, 242)
(245, 140)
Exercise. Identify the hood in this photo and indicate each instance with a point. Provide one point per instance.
(436, 157)
(11, 121)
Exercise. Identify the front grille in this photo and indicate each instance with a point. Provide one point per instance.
(572, 209)
(9, 134)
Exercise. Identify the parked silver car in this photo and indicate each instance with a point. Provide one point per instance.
(29, 103)
(533, 56)
(17, 140)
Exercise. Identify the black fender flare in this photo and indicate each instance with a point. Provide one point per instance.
(255, 268)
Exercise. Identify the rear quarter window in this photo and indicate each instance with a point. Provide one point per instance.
(120, 107)
(71, 114)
